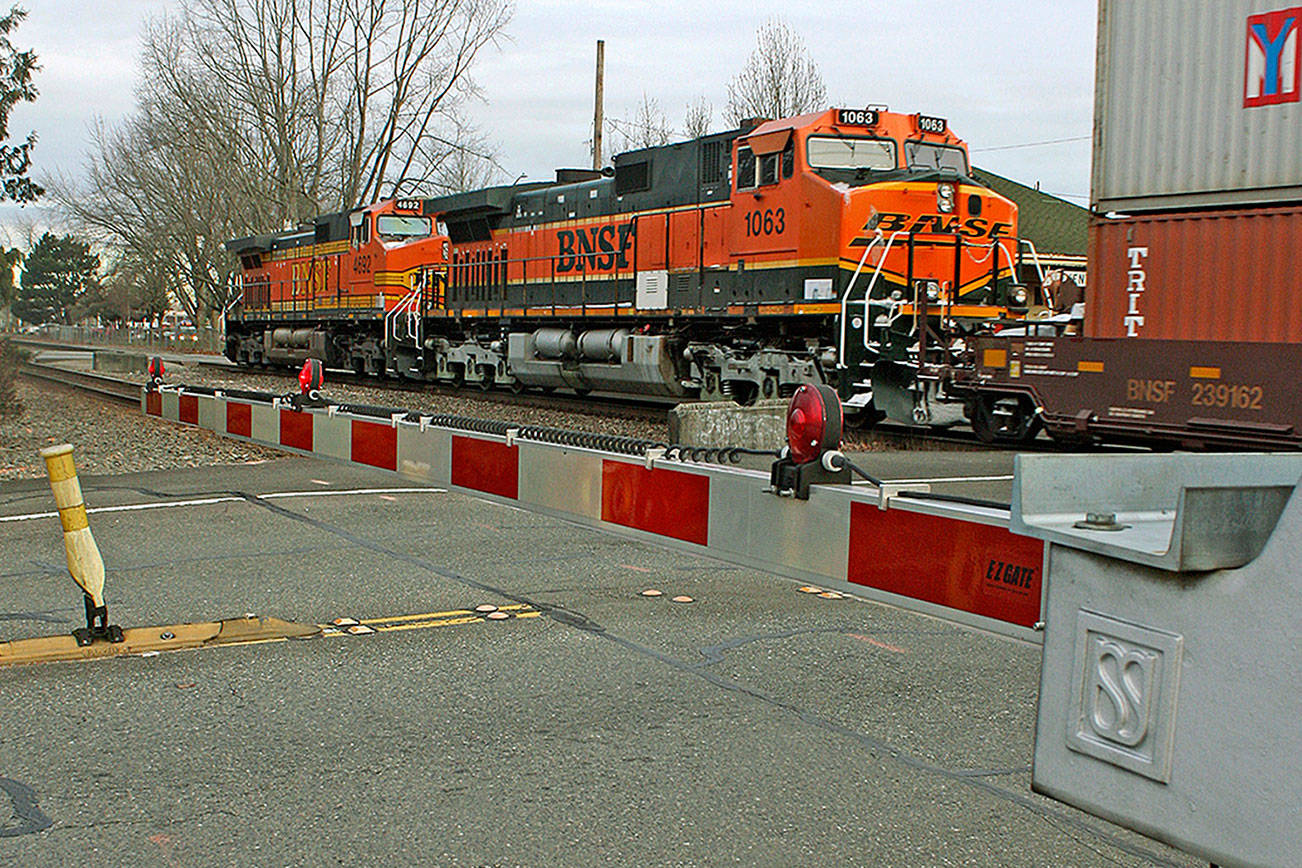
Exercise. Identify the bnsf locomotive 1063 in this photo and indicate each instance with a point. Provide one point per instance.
(849, 247)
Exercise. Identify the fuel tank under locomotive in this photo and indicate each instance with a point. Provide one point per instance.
(597, 359)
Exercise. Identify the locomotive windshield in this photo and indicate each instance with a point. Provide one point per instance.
(391, 226)
(850, 153)
(924, 155)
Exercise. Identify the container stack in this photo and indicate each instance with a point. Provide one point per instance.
(1197, 172)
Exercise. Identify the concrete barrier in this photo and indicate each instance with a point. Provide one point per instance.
(725, 423)
(118, 362)
(1168, 694)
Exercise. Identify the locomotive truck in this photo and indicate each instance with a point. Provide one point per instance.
(849, 247)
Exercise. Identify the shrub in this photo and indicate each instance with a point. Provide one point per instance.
(10, 406)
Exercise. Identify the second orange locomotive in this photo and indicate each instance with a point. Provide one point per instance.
(849, 247)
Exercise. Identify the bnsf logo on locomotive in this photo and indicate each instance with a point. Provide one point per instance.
(936, 224)
(593, 249)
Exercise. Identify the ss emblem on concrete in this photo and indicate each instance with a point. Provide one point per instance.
(1125, 681)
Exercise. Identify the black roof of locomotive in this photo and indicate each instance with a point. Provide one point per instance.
(318, 230)
(644, 179)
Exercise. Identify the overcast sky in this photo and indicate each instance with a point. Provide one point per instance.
(1006, 74)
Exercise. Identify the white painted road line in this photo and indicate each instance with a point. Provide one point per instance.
(206, 501)
(938, 479)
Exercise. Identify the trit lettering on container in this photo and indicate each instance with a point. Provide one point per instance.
(1135, 278)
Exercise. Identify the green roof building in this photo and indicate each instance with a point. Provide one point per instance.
(1058, 229)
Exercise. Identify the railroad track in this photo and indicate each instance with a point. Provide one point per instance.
(604, 406)
(111, 388)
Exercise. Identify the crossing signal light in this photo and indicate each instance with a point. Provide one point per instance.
(814, 424)
(311, 376)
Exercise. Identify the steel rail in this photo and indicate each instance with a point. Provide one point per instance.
(125, 391)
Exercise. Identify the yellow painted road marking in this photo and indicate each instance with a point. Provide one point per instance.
(429, 620)
(435, 615)
(149, 641)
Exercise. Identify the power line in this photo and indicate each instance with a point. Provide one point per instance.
(1032, 144)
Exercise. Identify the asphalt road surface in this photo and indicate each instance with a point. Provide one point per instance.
(593, 725)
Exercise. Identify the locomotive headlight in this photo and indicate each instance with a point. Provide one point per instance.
(933, 290)
(1018, 297)
(945, 198)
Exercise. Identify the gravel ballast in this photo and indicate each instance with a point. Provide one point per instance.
(115, 438)
(107, 437)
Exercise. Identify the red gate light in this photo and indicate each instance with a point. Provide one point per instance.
(813, 423)
(312, 376)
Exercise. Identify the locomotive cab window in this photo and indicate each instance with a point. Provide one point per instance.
(361, 229)
(394, 227)
(745, 169)
(759, 171)
(928, 156)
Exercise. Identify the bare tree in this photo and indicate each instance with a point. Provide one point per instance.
(697, 119)
(647, 128)
(255, 115)
(467, 161)
(779, 79)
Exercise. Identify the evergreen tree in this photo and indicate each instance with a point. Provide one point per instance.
(60, 270)
(16, 70)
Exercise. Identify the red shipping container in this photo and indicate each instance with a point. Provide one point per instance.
(1223, 275)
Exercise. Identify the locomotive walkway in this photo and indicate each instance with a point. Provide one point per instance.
(592, 725)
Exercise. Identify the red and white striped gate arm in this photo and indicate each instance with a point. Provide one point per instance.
(956, 561)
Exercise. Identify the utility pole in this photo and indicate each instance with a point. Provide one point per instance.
(597, 120)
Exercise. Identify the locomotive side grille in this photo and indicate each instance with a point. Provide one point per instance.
(714, 161)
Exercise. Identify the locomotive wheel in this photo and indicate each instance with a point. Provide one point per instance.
(486, 381)
(745, 392)
(1004, 419)
(516, 387)
(865, 420)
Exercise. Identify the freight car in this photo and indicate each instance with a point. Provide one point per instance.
(1192, 333)
(849, 247)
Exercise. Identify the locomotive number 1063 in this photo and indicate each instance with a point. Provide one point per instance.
(767, 222)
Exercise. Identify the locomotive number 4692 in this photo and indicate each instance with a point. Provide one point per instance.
(766, 222)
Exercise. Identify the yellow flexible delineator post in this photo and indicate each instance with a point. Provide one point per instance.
(84, 561)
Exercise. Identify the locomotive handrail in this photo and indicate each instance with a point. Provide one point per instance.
(1035, 258)
(845, 299)
(867, 294)
(239, 298)
(392, 315)
(700, 210)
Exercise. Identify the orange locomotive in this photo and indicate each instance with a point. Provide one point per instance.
(849, 247)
